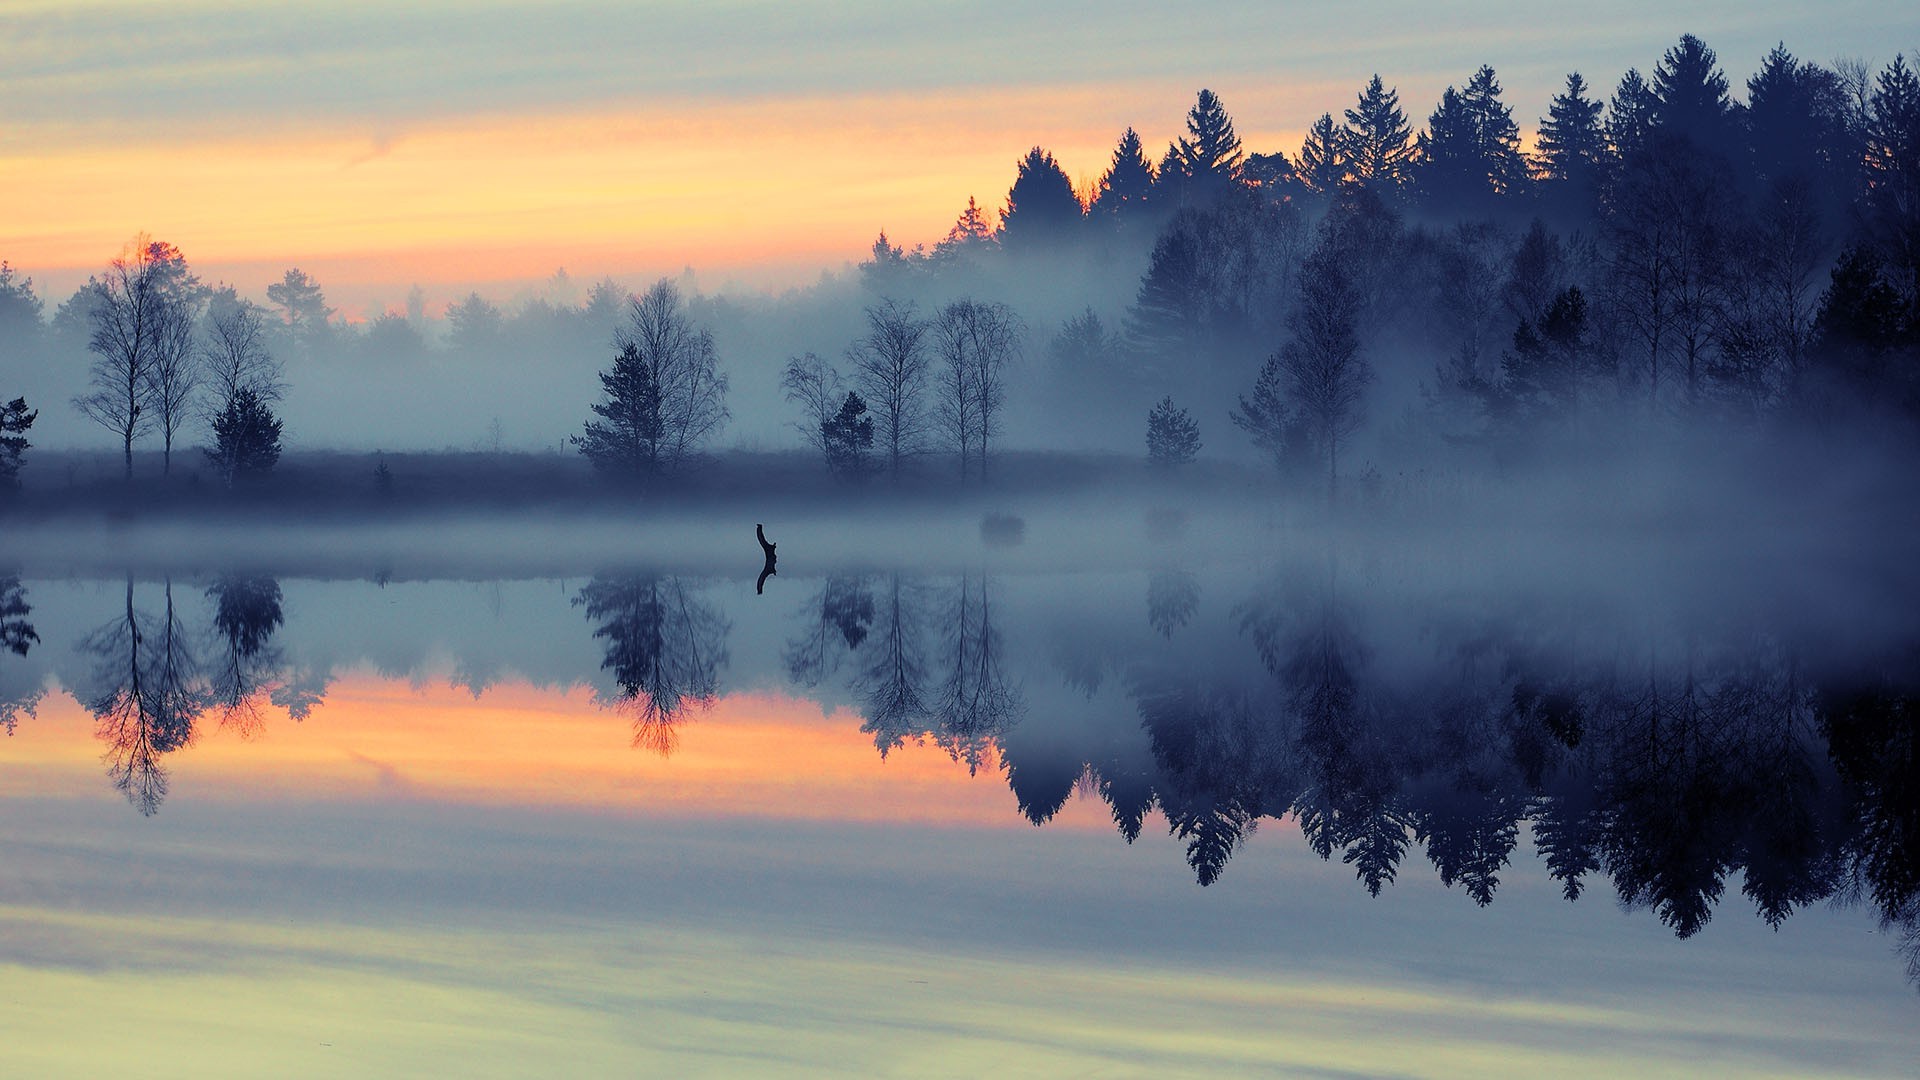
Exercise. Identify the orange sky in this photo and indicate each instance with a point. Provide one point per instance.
(461, 146)
(751, 755)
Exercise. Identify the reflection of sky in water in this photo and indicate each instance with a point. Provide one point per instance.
(459, 861)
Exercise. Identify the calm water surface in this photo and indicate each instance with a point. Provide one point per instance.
(1333, 812)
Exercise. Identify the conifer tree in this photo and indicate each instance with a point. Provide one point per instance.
(1572, 145)
(1323, 157)
(1210, 158)
(1379, 140)
(1127, 186)
(1630, 115)
(1172, 436)
(1042, 208)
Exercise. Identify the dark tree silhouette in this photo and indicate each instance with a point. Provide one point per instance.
(1042, 210)
(1172, 436)
(1323, 156)
(134, 311)
(1209, 155)
(247, 667)
(973, 343)
(246, 439)
(1378, 141)
(1323, 376)
(890, 365)
(303, 307)
(838, 619)
(1630, 115)
(892, 680)
(846, 438)
(1172, 598)
(1572, 148)
(1469, 157)
(665, 647)
(664, 397)
(147, 692)
(1126, 188)
(15, 419)
(16, 633)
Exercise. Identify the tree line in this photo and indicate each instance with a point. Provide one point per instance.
(1669, 253)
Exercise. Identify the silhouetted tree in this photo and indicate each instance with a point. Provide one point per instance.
(976, 704)
(1323, 156)
(246, 614)
(664, 395)
(234, 353)
(838, 619)
(174, 372)
(1470, 153)
(810, 382)
(474, 325)
(15, 419)
(1172, 436)
(1209, 155)
(16, 633)
(1572, 148)
(131, 307)
(1691, 96)
(20, 311)
(1270, 418)
(972, 234)
(890, 364)
(973, 343)
(892, 682)
(246, 439)
(1042, 210)
(1630, 115)
(302, 305)
(1892, 165)
(846, 438)
(147, 692)
(665, 647)
(1379, 142)
(1125, 190)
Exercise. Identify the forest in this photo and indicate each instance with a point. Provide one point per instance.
(1673, 264)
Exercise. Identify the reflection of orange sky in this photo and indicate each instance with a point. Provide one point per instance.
(763, 191)
(751, 755)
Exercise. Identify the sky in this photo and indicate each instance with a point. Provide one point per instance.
(484, 146)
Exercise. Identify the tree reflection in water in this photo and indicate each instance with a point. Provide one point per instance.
(147, 690)
(665, 647)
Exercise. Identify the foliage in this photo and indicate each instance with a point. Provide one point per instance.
(15, 419)
(246, 438)
(664, 396)
(1172, 436)
(846, 438)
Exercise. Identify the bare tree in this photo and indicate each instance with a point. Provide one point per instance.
(665, 393)
(173, 376)
(890, 367)
(812, 383)
(127, 310)
(234, 354)
(974, 343)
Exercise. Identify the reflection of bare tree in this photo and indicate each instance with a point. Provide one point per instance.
(664, 647)
(840, 614)
(148, 692)
(977, 704)
(247, 667)
(891, 681)
(1172, 598)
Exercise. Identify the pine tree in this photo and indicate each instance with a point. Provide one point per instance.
(847, 439)
(1042, 208)
(1172, 436)
(246, 438)
(1126, 188)
(1496, 136)
(1211, 159)
(1379, 140)
(1323, 157)
(970, 232)
(1572, 145)
(1692, 95)
(1630, 115)
(15, 419)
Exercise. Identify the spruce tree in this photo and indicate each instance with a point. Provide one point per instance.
(1572, 145)
(15, 419)
(1127, 186)
(1041, 207)
(246, 438)
(1211, 158)
(1323, 156)
(1630, 115)
(1172, 436)
(1379, 140)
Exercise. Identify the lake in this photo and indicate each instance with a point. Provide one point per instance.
(1181, 790)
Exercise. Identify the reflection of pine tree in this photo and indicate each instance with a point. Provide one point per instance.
(1172, 598)
(16, 633)
(842, 610)
(664, 646)
(246, 613)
